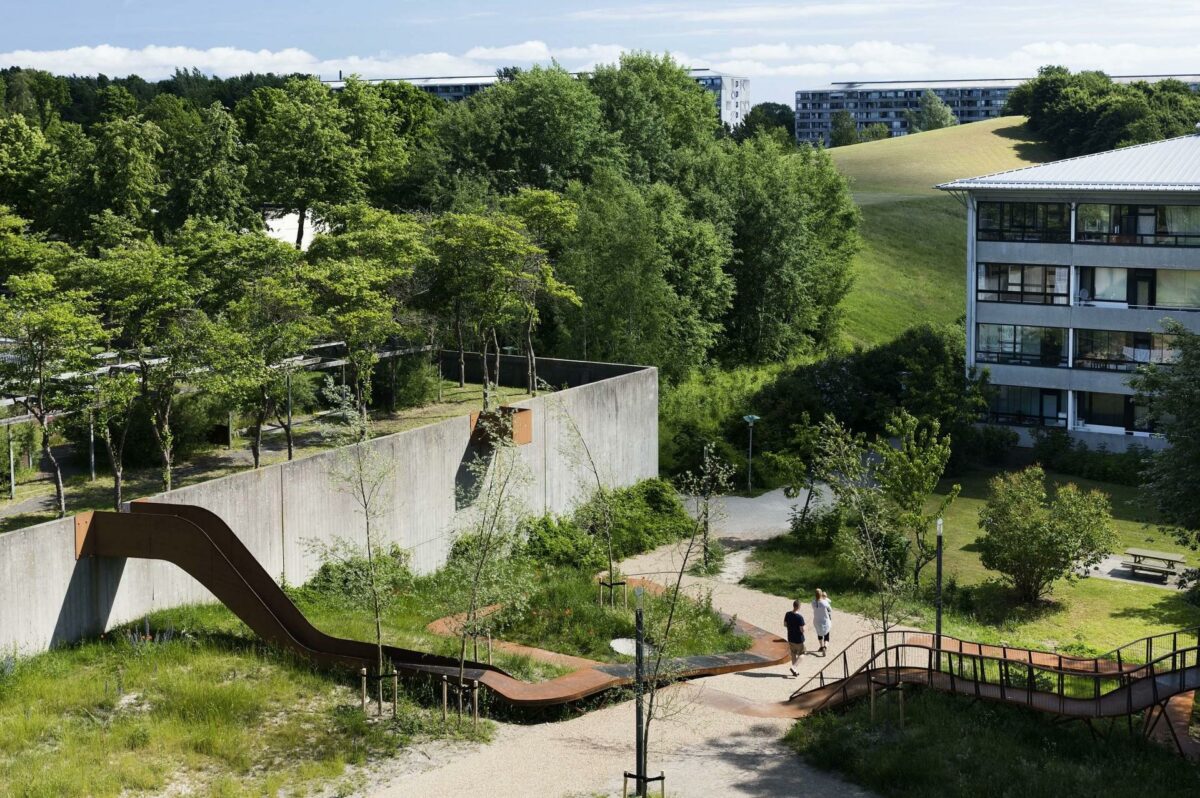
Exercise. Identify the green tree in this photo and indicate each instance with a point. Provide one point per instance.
(875, 132)
(376, 134)
(843, 129)
(1172, 393)
(908, 473)
(111, 401)
(302, 155)
(22, 146)
(931, 113)
(767, 118)
(1034, 540)
(52, 333)
(655, 109)
(795, 229)
(124, 175)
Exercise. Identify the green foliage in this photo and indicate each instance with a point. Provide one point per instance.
(817, 530)
(770, 118)
(875, 132)
(843, 129)
(1173, 394)
(644, 516)
(931, 113)
(1035, 541)
(949, 747)
(1085, 112)
(346, 579)
(562, 542)
(1055, 450)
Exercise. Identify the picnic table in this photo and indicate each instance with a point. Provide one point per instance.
(1162, 563)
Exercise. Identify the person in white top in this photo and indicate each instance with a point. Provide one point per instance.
(822, 618)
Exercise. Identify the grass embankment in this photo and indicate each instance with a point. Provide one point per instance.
(951, 748)
(83, 493)
(1092, 615)
(912, 265)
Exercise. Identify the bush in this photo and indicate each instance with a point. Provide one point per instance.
(987, 445)
(818, 529)
(1057, 451)
(345, 577)
(644, 516)
(416, 383)
(551, 540)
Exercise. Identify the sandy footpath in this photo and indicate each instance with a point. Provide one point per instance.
(703, 749)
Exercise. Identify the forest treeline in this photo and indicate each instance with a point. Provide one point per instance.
(681, 244)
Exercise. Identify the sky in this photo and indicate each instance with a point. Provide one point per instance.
(781, 47)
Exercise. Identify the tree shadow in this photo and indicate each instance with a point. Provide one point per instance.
(1172, 609)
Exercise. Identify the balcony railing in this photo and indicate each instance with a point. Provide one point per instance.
(1019, 419)
(1023, 297)
(1026, 235)
(1139, 239)
(1043, 359)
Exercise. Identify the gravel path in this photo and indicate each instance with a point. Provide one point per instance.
(703, 749)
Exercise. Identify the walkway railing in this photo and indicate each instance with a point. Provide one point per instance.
(1128, 679)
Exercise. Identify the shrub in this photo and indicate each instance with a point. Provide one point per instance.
(818, 529)
(552, 540)
(416, 383)
(345, 577)
(1057, 451)
(986, 444)
(644, 516)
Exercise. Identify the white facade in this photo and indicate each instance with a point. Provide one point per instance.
(1072, 268)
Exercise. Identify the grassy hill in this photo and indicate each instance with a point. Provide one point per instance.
(912, 265)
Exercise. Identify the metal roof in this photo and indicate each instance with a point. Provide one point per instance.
(977, 83)
(1170, 165)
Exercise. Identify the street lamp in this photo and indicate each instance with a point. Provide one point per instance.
(750, 419)
(938, 597)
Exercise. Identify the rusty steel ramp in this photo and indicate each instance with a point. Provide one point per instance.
(203, 545)
(1139, 677)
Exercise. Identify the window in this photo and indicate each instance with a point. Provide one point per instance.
(1111, 350)
(1023, 221)
(1163, 225)
(1103, 284)
(1027, 407)
(1177, 288)
(1038, 285)
(1112, 410)
(1021, 345)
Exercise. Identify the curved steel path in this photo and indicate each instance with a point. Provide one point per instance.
(204, 546)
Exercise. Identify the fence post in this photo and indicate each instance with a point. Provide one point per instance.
(395, 692)
(363, 675)
(475, 703)
(445, 700)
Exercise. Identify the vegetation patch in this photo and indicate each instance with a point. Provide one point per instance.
(949, 746)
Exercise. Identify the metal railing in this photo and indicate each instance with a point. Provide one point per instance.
(1139, 239)
(1128, 679)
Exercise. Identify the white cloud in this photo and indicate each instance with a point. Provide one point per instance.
(770, 12)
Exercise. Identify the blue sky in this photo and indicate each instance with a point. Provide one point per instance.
(780, 46)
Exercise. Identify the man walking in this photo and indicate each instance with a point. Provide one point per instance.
(794, 622)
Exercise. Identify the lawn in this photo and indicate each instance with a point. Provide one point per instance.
(1093, 615)
(911, 268)
(953, 748)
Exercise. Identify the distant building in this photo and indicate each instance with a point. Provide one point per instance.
(731, 93)
(887, 101)
(1072, 267)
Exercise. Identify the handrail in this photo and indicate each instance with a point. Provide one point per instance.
(1085, 685)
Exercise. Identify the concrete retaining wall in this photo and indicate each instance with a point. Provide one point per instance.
(281, 512)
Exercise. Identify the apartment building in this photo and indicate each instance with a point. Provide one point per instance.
(731, 93)
(888, 101)
(1072, 268)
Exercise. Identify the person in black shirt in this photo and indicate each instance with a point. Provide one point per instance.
(794, 622)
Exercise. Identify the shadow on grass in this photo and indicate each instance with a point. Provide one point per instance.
(1172, 609)
(994, 603)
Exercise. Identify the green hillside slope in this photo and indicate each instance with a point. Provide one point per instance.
(911, 268)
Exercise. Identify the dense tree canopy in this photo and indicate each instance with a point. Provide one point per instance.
(1085, 112)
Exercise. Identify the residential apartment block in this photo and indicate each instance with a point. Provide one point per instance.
(730, 93)
(1072, 267)
(887, 101)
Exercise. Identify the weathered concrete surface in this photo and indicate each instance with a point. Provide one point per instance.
(284, 512)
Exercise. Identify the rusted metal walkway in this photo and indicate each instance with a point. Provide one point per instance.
(204, 546)
(1139, 677)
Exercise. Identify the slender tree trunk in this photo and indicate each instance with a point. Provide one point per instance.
(287, 433)
(483, 361)
(260, 418)
(59, 493)
(300, 227)
(530, 358)
(118, 469)
(462, 350)
(496, 371)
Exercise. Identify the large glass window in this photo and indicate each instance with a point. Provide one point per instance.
(1177, 288)
(1163, 225)
(1122, 351)
(1103, 284)
(1039, 285)
(1112, 410)
(1023, 221)
(1027, 407)
(1021, 345)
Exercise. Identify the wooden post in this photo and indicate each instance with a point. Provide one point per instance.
(900, 689)
(475, 703)
(489, 646)
(395, 692)
(12, 467)
(445, 701)
(363, 675)
(872, 683)
(379, 694)
(92, 445)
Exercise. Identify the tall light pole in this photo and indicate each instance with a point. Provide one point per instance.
(750, 419)
(938, 595)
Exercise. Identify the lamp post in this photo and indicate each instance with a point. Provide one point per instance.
(750, 419)
(938, 595)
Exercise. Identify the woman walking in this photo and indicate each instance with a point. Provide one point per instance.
(822, 618)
